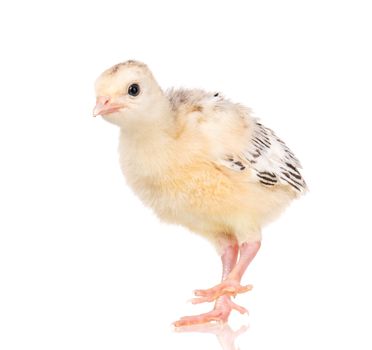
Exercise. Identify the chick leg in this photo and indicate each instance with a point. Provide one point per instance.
(223, 305)
(231, 286)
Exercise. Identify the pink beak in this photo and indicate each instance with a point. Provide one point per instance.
(103, 106)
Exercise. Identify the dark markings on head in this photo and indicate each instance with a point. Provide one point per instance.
(115, 68)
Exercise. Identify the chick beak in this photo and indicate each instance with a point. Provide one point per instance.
(104, 106)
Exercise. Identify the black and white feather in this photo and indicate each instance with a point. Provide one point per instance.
(272, 162)
(265, 156)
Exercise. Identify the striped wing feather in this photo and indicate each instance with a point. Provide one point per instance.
(271, 160)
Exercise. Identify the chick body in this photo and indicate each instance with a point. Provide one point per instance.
(176, 169)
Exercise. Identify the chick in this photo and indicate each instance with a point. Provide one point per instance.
(201, 161)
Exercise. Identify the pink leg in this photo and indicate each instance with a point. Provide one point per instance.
(229, 258)
(231, 285)
(247, 252)
(221, 308)
(223, 302)
(231, 276)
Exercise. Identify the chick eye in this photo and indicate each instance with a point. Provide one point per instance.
(134, 90)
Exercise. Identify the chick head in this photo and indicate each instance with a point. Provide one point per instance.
(127, 94)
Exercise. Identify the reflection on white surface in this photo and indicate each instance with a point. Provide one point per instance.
(226, 336)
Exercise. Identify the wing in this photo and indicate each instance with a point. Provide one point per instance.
(270, 159)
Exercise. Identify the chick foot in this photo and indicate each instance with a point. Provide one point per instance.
(228, 287)
(220, 313)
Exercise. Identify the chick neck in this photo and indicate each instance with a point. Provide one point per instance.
(148, 126)
(149, 143)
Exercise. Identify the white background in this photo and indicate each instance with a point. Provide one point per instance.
(83, 265)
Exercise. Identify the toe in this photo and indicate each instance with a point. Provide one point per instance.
(214, 315)
(237, 307)
(227, 287)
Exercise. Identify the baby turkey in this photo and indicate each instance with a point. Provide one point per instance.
(201, 161)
